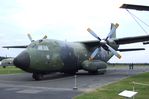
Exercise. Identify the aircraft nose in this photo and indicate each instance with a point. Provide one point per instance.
(22, 60)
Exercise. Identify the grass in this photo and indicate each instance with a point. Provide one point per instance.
(111, 91)
(10, 70)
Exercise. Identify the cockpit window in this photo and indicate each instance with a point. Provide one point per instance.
(42, 47)
(39, 47)
(33, 46)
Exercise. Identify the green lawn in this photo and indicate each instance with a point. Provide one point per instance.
(111, 91)
(10, 70)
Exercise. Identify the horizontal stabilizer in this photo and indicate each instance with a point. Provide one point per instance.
(135, 7)
(23, 46)
(131, 49)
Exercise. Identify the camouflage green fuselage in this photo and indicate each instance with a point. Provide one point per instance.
(57, 56)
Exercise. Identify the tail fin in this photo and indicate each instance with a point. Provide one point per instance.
(112, 33)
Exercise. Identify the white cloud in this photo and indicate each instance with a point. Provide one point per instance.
(77, 13)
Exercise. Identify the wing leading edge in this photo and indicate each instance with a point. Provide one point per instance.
(96, 43)
(121, 41)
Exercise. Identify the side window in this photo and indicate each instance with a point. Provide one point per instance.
(33, 46)
(39, 47)
(43, 47)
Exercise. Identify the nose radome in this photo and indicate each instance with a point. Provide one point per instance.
(22, 60)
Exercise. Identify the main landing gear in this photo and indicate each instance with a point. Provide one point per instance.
(37, 76)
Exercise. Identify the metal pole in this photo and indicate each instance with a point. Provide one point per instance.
(75, 76)
(75, 85)
(133, 88)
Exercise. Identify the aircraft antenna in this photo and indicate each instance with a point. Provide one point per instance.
(135, 18)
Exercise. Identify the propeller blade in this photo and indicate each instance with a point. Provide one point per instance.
(94, 54)
(113, 29)
(44, 37)
(114, 51)
(111, 26)
(30, 38)
(93, 33)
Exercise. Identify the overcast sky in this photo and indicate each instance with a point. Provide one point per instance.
(68, 20)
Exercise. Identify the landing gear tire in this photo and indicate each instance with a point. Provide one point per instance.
(37, 77)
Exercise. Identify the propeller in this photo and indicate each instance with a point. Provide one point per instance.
(113, 29)
(94, 53)
(44, 37)
(104, 43)
(30, 38)
(93, 33)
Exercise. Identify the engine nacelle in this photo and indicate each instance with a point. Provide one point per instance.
(93, 66)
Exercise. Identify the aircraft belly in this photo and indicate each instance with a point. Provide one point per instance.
(72, 55)
(69, 59)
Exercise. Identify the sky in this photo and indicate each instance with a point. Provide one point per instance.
(68, 20)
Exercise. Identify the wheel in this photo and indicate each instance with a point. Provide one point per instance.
(37, 76)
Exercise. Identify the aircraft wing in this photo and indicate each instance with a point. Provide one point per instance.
(96, 43)
(128, 40)
(91, 43)
(119, 41)
(22, 46)
(135, 7)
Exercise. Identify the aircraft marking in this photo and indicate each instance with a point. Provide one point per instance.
(48, 57)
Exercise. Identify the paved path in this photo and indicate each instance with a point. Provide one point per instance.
(60, 86)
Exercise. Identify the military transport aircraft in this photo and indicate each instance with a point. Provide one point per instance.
(46, 56)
